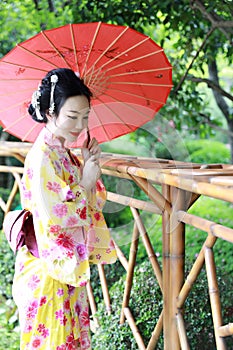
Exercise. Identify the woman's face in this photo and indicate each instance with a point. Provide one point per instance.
(72, 119)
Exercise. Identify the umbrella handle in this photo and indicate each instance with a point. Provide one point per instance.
(88, 137)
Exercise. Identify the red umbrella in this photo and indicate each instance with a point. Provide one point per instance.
(129, 75)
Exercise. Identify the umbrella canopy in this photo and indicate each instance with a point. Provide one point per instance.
(128, 73)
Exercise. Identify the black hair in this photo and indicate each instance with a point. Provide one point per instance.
(68, 85)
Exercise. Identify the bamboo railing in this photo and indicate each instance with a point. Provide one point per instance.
(180, 185)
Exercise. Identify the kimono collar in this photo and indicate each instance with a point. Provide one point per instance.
(53, 141)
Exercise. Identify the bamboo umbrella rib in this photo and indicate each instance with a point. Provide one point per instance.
(117, 115)
(14, 92)
(22, 66)
(139, 72)
(14, 122)
(136, 83)
(36, 55)
(108, 47)
(100, 123)
(29, 132)
(129, 106)
(134, 60)
(54, 47)
(124, 52)
(74, 47)
(133, 95)
(90, 50)
(12, 106)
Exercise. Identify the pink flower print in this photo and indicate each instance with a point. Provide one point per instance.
(85, 341)
(27, 194)
(71, 221)
(60, 292)
(30, 173)
(71, 179)
(37, 342)
(99, 186)
(97, 216)
(60, 210)
(69, 339)
(33, 282)
(84, 319)
(70, 196)
(61, 347)
(67, 305)
(82, 283)
(44, 331)
(71, 290)
(82, 251)
(82, 213)
(78, 308)
(98, 256)
(43, 300)
(59, 314)
(108, 251)
(28, 326)
(45, 253)
(53, 186)
(66, 164)
(69, 254)
(55, 228)
(64, 240)
(32, 309)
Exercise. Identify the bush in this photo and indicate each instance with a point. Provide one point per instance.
(207, 151)
(146, 305)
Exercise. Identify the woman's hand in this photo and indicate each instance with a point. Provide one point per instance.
(91, 172)
(91, 149)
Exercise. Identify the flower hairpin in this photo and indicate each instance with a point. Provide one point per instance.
(53, 80)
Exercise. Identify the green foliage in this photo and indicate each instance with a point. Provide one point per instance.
(207, 151)
(146, 305)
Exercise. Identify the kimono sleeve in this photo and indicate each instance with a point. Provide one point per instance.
(60, 212)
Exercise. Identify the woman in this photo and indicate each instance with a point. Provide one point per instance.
(65, 197)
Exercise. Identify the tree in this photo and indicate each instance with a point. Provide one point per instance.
(196, 36)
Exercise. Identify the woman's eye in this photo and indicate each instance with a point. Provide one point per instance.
(72, 117)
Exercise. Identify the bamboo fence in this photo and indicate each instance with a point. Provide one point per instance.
(180, 185)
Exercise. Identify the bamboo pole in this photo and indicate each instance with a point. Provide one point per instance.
(194, 272)
(212, 227)
(214, 297)
(153, 194)
(148, 246)
(130, 271)
(92, 304)
(166, 270)
(226, 330)
(182, 332)
(156, 333)
(134, 329)
(11, 197)
(177, 249)
(104, 286)
(121, 257)
(132, 202)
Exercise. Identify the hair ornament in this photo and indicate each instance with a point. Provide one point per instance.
(36, 103)
(53, 80)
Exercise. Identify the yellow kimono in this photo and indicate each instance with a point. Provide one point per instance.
(71, 234)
